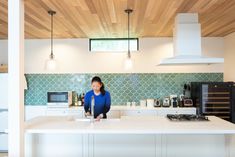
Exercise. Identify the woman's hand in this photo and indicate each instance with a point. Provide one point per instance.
(87, 114)
(99, 117)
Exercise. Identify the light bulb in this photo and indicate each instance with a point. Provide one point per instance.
(128, 64)
(51, 64)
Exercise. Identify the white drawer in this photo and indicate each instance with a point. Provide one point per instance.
(56, 112)
(186, 111)
(113, 114)
(138, 113)
(3, 121)
(73, 112)
(165, 111)
(3, 142)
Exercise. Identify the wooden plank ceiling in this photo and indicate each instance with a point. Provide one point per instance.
(106, 18)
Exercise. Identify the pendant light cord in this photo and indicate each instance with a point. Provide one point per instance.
(51, 12)
(129, 53)
(128, 11)
(52, 55)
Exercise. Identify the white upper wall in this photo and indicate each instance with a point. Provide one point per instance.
(73, 56)
(229, 57)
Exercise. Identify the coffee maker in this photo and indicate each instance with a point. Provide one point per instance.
(181, 100)
(174, 100)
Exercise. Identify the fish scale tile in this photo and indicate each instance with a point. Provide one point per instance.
(123, 87)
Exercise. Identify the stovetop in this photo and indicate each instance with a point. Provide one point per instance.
(187, 117)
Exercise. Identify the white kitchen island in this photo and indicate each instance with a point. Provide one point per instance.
(153, 136)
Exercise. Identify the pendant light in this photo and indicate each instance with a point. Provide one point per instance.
(128, 61)
(51, 63)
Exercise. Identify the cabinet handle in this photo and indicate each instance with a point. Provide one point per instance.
(3, 110)
(2, 133)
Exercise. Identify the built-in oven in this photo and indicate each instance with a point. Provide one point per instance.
(60, 99)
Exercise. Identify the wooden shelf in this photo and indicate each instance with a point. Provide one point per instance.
(223, 98)
(217, 107)
(224, 117)
(211, 103)
(215, 93)
(216, 112)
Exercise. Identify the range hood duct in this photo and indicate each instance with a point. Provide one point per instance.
(187, 42)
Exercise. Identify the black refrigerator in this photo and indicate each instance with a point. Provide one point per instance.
(214, 98)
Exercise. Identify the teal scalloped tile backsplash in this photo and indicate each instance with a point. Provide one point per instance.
(123, 87)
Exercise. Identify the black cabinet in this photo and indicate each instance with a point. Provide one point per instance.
(214, 98)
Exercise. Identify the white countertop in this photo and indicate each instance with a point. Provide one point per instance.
(128, 125)
(123, 107)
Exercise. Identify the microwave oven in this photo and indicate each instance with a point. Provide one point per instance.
(60, 99)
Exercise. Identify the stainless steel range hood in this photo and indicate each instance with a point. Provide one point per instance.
(187, 42)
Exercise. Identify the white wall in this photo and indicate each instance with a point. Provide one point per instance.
(229, 56)
(73, 57)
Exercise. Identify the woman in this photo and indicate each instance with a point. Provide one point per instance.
(102, 99)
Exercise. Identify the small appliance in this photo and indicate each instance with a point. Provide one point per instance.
(157, 103)
(188, 103)
(60, 99)
(166, 102)
(174, 100)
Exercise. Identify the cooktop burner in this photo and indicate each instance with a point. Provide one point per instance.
(186, 117)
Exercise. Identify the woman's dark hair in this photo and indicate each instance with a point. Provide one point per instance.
(98, 79)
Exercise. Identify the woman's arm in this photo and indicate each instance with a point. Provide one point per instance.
(87, 103)
(107, 103)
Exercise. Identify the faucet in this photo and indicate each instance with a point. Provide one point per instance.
(92, 109)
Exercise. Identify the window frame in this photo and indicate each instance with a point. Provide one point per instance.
(90, 39)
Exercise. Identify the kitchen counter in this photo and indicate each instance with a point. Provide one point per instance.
(129, 136)
(115, 111)
(124, 107)
(134, 125)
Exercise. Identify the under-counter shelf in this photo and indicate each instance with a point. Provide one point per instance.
(214, 107)
(208, 103)
(208, 93)
(214, 98)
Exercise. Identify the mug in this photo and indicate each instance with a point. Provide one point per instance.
(128, 104)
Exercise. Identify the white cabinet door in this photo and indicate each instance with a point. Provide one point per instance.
(3, 90)
(113, 114)
(138, 113)
(34, 111)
